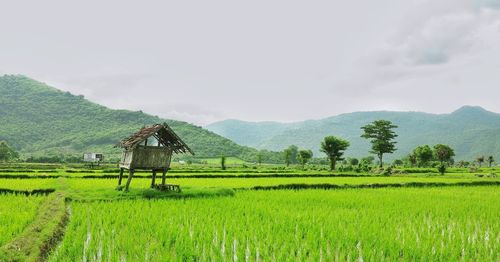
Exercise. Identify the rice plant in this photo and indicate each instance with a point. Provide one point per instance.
(422, 224)
(16, 212)
(88, 184)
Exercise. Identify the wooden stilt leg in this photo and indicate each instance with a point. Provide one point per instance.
(153, 179)
(120, 177)
(130, 175)
(163, 177)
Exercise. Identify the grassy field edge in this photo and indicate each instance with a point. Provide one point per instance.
(376, 185)
(41, 236)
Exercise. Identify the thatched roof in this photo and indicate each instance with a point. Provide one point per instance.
(162, 132)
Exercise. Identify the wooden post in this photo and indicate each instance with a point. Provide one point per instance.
(163, 177)
(120, 177)
(153, 179)
(130, 175)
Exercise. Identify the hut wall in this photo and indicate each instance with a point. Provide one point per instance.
(92, 157)
(126, 160)
(149, 157)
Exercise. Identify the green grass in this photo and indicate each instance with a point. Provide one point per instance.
(27, 184)
(42, 235)
(214, 170)
(16, 212)
(89, 194)
(88, 186)
(209, 220)
(137, 183)
(229, 161)
(447, 224)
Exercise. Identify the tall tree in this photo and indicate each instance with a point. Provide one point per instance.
(293, 154)
(287, 154)
(423, 155)
(381, 134)
(443, 153)
(305, 156)
(223, 162)
(334, 148)
(480, 160)
(7, 153)
(491, 160)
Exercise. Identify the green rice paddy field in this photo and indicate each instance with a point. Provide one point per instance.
(16, 212)
(383, 224)
(427, 218)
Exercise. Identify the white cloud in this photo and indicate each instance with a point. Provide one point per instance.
(443, 37)
(489, 3)
(443, 55)
(435, 42)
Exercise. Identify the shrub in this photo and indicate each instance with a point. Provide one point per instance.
(442, 169)
(387, 171)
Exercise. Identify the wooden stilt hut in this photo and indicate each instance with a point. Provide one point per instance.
(151, 148)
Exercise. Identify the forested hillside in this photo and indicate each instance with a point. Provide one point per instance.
(251, 133)
(472, 131)
(37, 120)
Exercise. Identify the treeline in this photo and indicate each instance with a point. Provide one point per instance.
(427, 156)
(382, 135)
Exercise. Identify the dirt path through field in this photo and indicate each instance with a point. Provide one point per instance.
(42, 235)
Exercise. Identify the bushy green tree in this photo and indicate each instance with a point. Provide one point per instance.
(334, 148)
(7, 153)
(398, 162)
(442, 168)
(304, 156)
(381, 134)
(353, 161)
(411, 159)
(423, 154)
(443, 153)
(368, 161)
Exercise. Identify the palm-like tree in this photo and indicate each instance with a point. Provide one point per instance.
(490, 160)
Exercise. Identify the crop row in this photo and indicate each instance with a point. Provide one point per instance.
(16, 212)
(77, 183)
(252, 182)
(451, 224)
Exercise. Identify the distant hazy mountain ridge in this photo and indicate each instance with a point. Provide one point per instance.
(37, 119)
(471, 131)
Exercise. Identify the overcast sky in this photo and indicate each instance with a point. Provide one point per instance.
(203, 61)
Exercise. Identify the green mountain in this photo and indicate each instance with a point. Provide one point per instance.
(472, 131)
(39, 120)
(251, 133)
